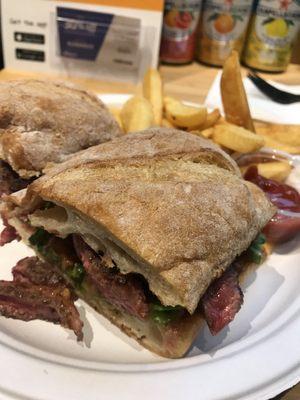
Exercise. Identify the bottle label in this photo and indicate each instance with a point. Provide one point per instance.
(226, 20)
(277, 22)
(179, 30)
(272, 32)
(180, 18)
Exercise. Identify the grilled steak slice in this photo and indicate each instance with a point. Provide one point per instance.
(28, 302)
(8, 234)
(32, 270)
(10, 181)
(124, 291)
(222, 300)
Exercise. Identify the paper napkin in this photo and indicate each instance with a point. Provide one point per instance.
(261, 107)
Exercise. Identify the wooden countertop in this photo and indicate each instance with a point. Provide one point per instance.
(190, 83)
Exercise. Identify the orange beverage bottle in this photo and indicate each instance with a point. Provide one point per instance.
(222, 28)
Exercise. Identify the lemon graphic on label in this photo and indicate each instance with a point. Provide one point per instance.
(277, 28)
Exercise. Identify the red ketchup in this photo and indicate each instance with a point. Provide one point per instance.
(281, 228)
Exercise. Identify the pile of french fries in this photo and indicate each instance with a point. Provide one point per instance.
(235, 133)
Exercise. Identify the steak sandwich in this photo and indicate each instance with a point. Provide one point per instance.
(153, 230)
(43, 122)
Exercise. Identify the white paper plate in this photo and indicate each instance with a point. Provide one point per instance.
(257, 357)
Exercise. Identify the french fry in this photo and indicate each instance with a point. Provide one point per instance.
(222, 121)
(184, 116)
(137, 114)
(236, 138)
(233, 94)
(206, 133)
(268, 247)
(153, 91)
(288, 134)
(211, 119)
(275, 144)
(166, 124)
(277, 170)
(116, 112)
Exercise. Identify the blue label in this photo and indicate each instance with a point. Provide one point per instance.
(81, 33)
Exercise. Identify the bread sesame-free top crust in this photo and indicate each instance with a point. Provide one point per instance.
(154, 143)
(44, 121)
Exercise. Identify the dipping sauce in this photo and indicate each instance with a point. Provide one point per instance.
(286, 222)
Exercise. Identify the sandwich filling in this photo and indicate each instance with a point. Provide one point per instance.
(10, 182)
(44, 290)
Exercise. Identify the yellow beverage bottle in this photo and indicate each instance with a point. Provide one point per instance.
(272, 31)
(222, 28)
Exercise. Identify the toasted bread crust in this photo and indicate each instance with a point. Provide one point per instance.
(43, 121)
(150, 145)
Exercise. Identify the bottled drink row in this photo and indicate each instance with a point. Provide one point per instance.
(262, 31)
